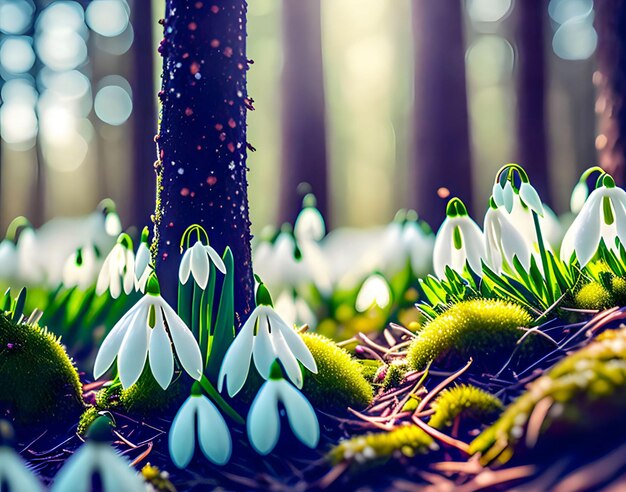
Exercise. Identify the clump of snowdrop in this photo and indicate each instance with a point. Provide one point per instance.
(263, 422)
(143, 259)
(199, 417)
(118, 269)
(148, 330)
(14, 473)
(81, 268)
(459, 242)
(197, 259)
(602, 218)
(264, 338)
(97, 458)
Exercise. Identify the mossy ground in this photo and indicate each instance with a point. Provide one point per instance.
(38, 381)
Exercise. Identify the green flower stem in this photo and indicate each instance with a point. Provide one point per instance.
(206, 316)
(220, 402)
(547, 272)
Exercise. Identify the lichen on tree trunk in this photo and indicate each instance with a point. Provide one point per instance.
(201, 143)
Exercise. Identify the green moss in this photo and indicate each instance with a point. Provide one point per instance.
(146, 398)
(406, 440)
(370, 368)
(593, 296)
(465, 402)
(339, 382)
(585, 394)
(485, 330)
(394, 374)
(618, 287)
(38, 381)
(86, 419)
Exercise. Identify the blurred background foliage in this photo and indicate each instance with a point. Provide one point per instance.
(79, 82)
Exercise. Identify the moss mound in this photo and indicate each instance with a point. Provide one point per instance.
(464, 402)
(146, 397)
(482, 329)
(38, 380)
(339, 382)
(405, 440)
(593, 296)
(583, 395)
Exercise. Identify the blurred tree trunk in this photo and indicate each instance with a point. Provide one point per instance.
(201, 143)
(532, 152)
(144, 116)
(441, 142)
(610, 80)
(304, 157)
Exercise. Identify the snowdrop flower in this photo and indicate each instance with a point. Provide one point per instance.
(503, 241)
(8, 259)
(505, 193)
(118, 269)
(459, 241)
(97, 457)
(81, 268)
(148, 330)
(309, 224)
(264, 337)
(197, 262)
(198, 415)
(294, 310)
(263, 423)
(29, 258)
(143, 268)
(375, 291)
(14, 473)
(602, 218)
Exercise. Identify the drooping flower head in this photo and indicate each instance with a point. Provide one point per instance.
(148, 330)
(264, 338)
(97, 457)
(506, 190)
(263, 422)
(459, 242)
(197, 259)
(601, 219)
(81, 268)
(199, 417)
(118, 269)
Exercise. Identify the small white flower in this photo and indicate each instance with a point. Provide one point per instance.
(579, 196)
(264, 337)
(459, 241)
(81, 268)
(196, 261)
(14, 474)
(148, 330)
(143, 269)
(8, 259)
(294, 310)
(263, 423)
(199, 416)
(375, 291)
(93, 458)
(530, 197)
(602, 217)
(118, 269)
(309, 225)
(503, 241)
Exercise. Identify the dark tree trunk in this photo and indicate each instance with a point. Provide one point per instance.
(304, 158)
(610, 80)
(202, 148)
(144, 116)
(532, 150)
(441, 143)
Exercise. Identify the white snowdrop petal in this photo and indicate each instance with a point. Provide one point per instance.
(134, 349)
(113, 341)
(200, 267)
(300, 413)
(185, 267)
(496, 193)
(531, 198)
(587, 240)
(104, 277)
(216, 259)
(236, 363)
(263, 353)
(442, 251)
(15, 474)
(263, 423)
(474, 244)
(507, 196)
(295, 344)
(213, 434)
(142, 260)
(117, 473)
(160, 353)
(182, 436)
(129, 272)
(620, 222)
(115, 285)
(76, 473)
(286, 357)
(579, 195)
(185, 343)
